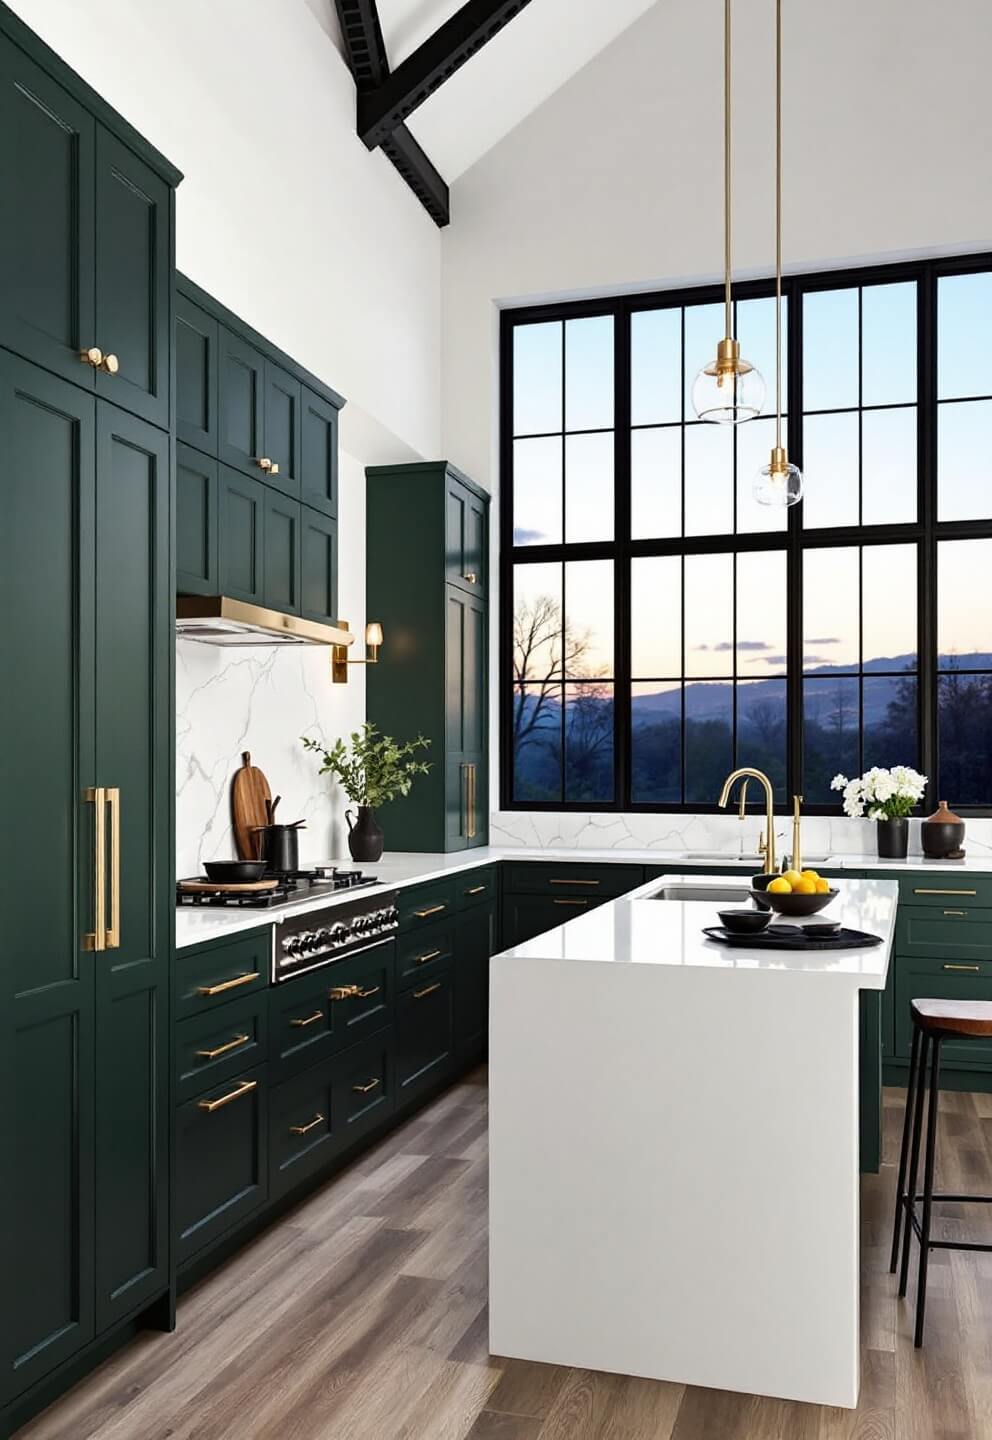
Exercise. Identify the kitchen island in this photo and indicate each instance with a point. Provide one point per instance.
(674, 1145)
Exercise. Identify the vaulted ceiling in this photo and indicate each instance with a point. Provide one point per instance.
(536, 46)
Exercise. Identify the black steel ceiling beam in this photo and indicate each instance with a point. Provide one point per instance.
(366, 54)
(383, 109)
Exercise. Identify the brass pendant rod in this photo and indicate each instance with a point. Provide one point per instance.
(726, 165)
(778, 223)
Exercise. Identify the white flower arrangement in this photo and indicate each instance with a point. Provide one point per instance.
(886, 794)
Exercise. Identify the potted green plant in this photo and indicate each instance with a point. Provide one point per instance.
(375, 768)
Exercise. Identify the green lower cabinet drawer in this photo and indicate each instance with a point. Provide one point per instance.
(424, 953)
(211, 1047)
(221, 1160)
(475, 943)
(525, 916)
(212, 975)
(424, 1036)
(946, 932)
(941, 889)
(475, 887)
(919, 979)
(572, 878)
(304, 1127)
(365, 1085)
(424, 905)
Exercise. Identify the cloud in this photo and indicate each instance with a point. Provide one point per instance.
(527, 537)
(750, 645)
(827, 640)
(816, 660)
(774, 659)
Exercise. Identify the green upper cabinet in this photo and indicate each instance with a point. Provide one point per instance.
(47, 162)
(196, 523)
(241, 536)
(319, 565)
(432, 674)
(319, 462)
(133, 281)
(241, 403)
(283, 406)
(281, 547)
(197, 338)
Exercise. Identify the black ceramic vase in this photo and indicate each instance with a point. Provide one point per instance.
(365, 837)
(892, 837)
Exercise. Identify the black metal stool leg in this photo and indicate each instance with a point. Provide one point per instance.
(921, 1284)
(914, 1165)
(907, 1126)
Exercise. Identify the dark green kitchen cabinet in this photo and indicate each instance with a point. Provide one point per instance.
(197, 551)
(283, 417)
(424, 1036)
(475, 943)
(222, 1160)
(241, 531)
(319, 566)
(525, 916)
(197, 338)
(319, 453)
(435, 681)
(240, 403)
(281, 550)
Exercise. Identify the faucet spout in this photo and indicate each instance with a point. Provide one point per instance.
(746, 773)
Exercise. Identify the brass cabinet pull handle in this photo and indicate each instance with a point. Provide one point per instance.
(245, 1087)
(973, 969)
(428, 955)
(364, 994)
(475, 890)
(364, 1089)
(962, 913)
(110, 364)
(434, 910)
(270, 467)
(308, 1019)
(96, 939)
(471, 577)
(318, 1119)
(945, 892)
(344, 992)
(92, 355)
(569, 902)
(470, 826)
(114, 928)
(234, 1044)
(223, 985)
(419, 994)
(573, 882)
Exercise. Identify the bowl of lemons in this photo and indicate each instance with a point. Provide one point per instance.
(796, 893)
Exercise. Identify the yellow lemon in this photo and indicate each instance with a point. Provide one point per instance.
(822, 886)
(780, 886)
(805, 887)
(793, 877)
(810, 875)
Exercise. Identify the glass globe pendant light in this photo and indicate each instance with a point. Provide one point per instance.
(779, 482)
(729, 389)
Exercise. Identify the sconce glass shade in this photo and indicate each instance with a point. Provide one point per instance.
(728, 390)
(778, 483)
(373, 633)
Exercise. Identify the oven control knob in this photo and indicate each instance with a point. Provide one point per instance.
(323, 937)
(308, 940)
(339, 934)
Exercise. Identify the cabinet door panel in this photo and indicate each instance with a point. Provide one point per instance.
(133, 659)
(319, 566)
(282, 427)
(196, 523)
(221, 1160)
(424, 1035)
(46, 974)
(934, 979)
(465, 539)
(133, 279)
(475, 943)
(241, 536)
(282, 553)
(46, 244)
(525, 916)
(196, 375)
(240, 402)
(319, 456)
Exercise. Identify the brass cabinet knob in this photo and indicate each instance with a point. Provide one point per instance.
(269, 466)
(92, 356)
(471, 577)
(110, 364)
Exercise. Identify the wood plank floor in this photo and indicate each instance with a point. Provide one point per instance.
(362, 1316)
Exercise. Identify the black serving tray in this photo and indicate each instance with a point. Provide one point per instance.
(793, 937)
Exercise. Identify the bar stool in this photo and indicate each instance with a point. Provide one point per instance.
(933, 1022)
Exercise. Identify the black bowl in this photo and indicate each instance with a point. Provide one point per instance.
(761, 882)
(823, 929)
(795, 905)
(234, 872)
(744, 922)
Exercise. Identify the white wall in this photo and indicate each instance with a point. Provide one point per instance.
(283, 214)
(616, 181)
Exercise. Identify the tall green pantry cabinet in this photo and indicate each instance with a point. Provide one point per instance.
(427, 555)
(87, 725)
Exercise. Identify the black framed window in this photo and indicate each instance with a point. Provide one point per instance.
(658, 626)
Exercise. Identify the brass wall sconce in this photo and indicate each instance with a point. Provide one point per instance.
(339, 653)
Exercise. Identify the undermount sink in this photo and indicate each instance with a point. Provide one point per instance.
(755, 859)
(711, 894)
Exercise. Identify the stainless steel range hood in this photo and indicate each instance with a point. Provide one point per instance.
(219, 620)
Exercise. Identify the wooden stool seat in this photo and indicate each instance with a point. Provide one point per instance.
(953, 1017)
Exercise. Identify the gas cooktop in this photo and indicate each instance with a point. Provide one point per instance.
(296, 885)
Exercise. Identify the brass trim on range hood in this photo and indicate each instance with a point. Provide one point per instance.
(219, 620)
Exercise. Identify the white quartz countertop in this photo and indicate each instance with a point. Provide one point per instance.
(196, 925)
(635, 929)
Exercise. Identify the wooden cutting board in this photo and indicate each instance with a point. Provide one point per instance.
(212, 887)
(249, 792)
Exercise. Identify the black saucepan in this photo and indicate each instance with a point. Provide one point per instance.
(234, 872)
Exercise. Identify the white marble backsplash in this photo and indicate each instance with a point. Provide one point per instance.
(261, 700)
(725, 833)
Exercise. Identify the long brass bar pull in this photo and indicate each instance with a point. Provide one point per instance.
(244, 1088)
(303, 1020)
(972, 969)
(924, 891)
(475, 890)
(573, 881)
(364, 1089)
(96, 939)
(427, 955)
(420, 994)
(434, 910)
(223, 985)
(234, 1044)
(318, 1119)
(113, 795)
(470, 828)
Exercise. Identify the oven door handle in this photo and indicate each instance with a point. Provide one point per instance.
(280, 976)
